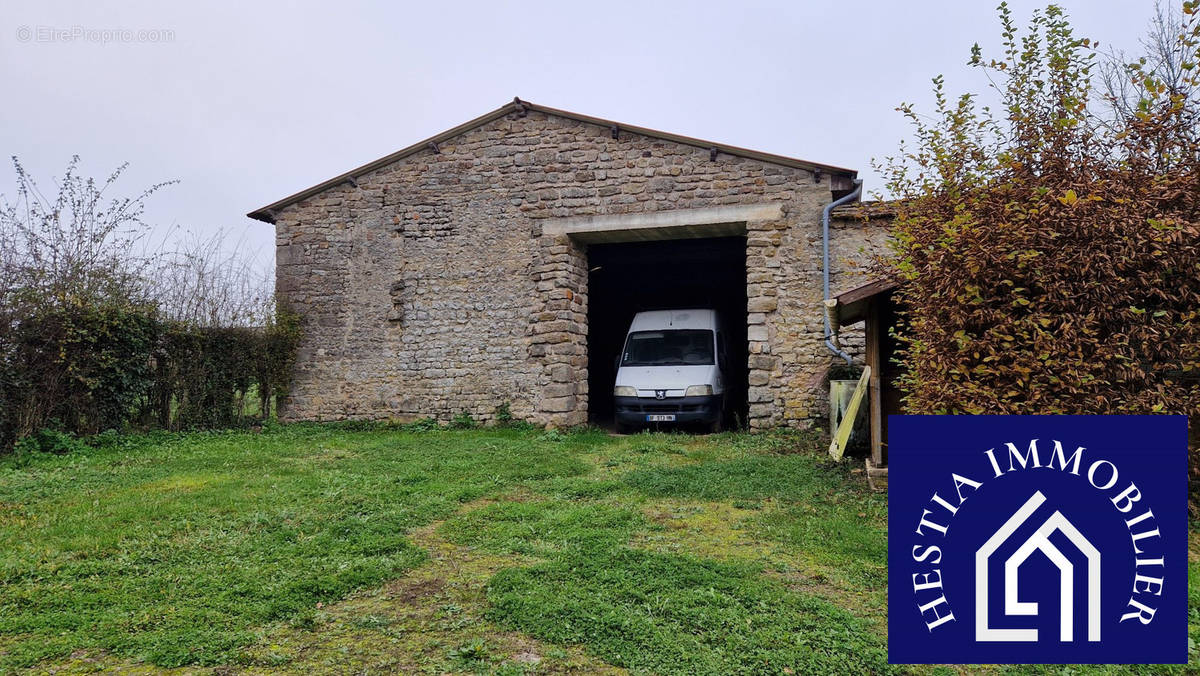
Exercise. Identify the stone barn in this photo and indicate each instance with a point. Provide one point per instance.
(500, 262)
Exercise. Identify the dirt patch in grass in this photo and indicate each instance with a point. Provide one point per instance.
(715, 530)
(12, 513)
(432, 619)
(413, 591)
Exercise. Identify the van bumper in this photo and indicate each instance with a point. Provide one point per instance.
(633, 410)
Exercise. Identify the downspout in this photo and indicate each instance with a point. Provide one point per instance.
(853, 195)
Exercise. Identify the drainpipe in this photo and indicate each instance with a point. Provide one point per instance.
(829, 334)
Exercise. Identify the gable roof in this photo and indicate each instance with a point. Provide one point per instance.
(267, 213)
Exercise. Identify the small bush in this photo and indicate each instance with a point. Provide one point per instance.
(471, 652)
(356, 425)
(107, 439)
(503, 415)
(553, 435)
(463, 421)
(48, 440)
(422, 425)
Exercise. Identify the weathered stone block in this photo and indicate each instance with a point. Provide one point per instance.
(762, 304)
(559, 404)
(760, 395)
(558, 390)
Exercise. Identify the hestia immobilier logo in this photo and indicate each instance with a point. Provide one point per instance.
(1037, 539)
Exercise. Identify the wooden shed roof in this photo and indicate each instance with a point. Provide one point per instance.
(851, 306)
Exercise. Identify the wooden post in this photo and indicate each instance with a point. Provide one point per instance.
(874, 391)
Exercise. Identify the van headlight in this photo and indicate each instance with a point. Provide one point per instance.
(698, 391)
(624, 391)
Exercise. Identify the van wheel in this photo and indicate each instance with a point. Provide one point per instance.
(716, 426)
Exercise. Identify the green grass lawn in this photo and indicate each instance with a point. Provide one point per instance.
(326, 548)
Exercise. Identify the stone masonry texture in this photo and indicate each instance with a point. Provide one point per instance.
(429, 289)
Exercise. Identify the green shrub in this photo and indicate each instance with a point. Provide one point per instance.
(98, 366)
(1049, 255)
(205, 373)
(85, 364)
(470, 654)
(422, 425)
(97, 336)
(553, 435)
(463, 421)
(49, 440)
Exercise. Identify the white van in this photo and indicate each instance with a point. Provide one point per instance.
(672, 370)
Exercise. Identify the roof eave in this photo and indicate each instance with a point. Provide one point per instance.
(267, 213)
(698, 143)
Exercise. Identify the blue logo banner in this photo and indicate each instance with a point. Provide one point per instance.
(1037, 539)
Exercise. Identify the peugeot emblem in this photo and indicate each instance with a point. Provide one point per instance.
(660, 394)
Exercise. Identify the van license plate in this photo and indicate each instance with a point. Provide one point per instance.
(662, 417)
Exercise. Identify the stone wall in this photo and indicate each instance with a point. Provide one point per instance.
(428, 288)
(857, 236)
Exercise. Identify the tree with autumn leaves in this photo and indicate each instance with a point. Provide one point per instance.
(1049, 250)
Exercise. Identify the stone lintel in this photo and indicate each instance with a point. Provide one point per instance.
(659, 225)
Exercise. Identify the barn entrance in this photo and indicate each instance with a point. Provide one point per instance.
(628, 277)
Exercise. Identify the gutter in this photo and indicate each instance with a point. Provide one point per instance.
(830, 335)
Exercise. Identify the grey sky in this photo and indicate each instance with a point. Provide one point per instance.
(249, 102)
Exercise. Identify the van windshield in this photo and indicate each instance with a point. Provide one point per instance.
(683, 347)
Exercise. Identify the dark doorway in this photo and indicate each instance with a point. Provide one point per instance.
(626, 278)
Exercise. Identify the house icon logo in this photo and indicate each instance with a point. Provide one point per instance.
(1037, 540)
